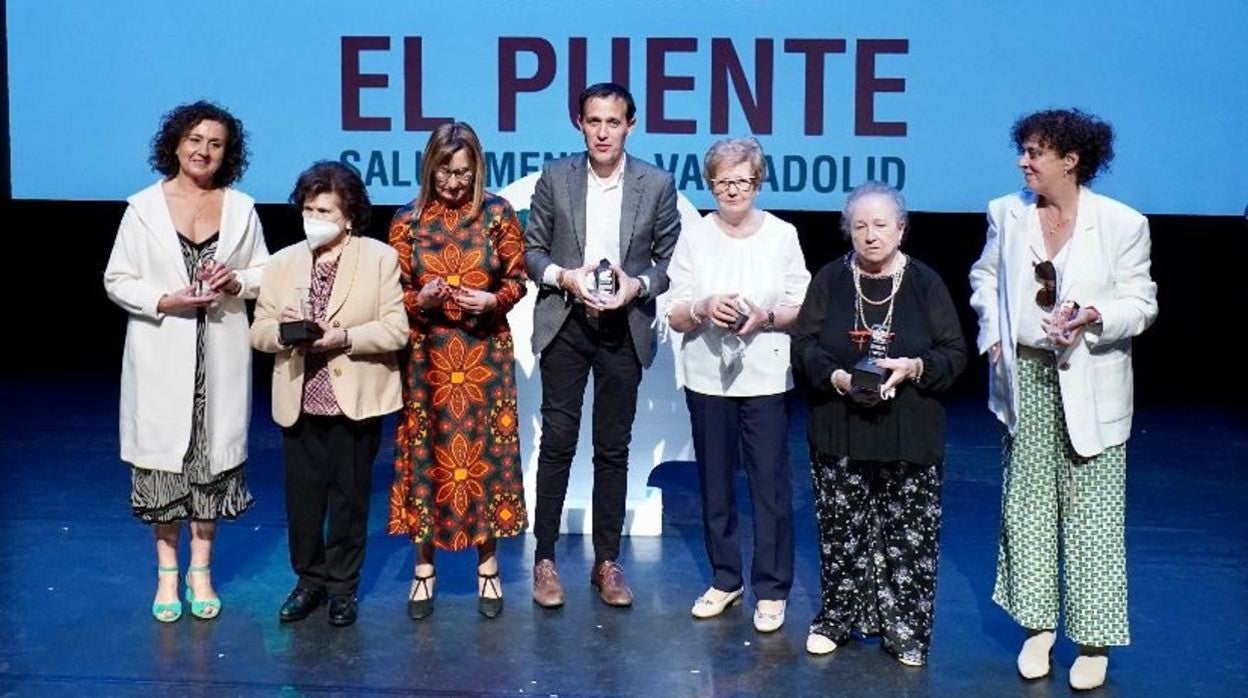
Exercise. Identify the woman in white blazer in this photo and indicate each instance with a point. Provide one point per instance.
(188, 252)
(1061, 288)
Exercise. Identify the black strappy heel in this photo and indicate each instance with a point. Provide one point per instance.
(419, 610)
(487, 606)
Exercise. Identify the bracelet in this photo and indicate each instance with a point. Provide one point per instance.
(918, 371)
(693, 315)
(771, 321)
(836, 387)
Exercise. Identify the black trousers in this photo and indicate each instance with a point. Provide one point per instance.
(329, 467)
(603, 346)
(754, 430)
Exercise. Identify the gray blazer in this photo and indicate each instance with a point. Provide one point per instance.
(555, 234)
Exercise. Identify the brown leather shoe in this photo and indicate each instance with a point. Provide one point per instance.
(547, 591)
(608, 579)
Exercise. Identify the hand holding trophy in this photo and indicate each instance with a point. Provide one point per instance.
(732, 347)
(867, 376)
(298, 325)
(1059, 325)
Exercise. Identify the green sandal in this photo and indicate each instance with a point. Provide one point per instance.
(171, 611)
(205, 609)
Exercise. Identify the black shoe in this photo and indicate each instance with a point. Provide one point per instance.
(300, 603)
(486, 606)
(342, 610)
(420, 610)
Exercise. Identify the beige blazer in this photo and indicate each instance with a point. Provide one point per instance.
(366, 301)
(1107, 267)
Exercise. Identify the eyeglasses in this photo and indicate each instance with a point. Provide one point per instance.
(719, 186)
(443, 175)
(1046, 274)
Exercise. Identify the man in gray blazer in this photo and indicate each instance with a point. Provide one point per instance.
(600, 205)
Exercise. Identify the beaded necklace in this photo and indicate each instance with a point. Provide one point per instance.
(862, 332)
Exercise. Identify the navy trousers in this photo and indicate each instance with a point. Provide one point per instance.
(755, 431)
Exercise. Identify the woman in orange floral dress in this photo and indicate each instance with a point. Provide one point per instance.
(457, 471)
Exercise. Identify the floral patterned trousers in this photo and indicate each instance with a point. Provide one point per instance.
(879, 526)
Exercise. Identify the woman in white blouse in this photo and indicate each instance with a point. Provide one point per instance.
(737, 280)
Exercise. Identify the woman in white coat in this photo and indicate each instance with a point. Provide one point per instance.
(188, 252)
(1061, 288)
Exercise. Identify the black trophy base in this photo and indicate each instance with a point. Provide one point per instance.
(867, 377)
(299, 332)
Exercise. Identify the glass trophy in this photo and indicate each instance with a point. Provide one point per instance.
(604, 279)
(866, 375)
(743, 314)
(732, 346)
(204, 272)
(304, 330)
(1064, 313)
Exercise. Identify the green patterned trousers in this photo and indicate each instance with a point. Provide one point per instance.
(1055, 502)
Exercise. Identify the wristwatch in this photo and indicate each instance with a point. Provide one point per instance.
(771, 321)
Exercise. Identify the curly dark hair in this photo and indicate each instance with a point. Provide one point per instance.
(1069, 131)
(334, 177)
(179, 121)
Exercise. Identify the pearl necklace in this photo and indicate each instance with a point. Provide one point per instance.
(862, 297)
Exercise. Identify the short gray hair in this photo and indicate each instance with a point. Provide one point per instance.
(866, 189)
(731, 151)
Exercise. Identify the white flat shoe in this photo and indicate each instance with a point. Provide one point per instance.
(1088, 672)
(910, 659)
(1033, 659)
(820, 644)
(769, 621)
(708, 607)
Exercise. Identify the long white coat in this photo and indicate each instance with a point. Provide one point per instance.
(158, 367)
(1107, 267)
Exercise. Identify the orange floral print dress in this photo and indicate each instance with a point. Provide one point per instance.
(457, 470)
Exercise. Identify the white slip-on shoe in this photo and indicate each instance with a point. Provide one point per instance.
(910, 658)
(713, 602)
(1033, 659)
(768, 619)
(817, 643)
(1088, 671)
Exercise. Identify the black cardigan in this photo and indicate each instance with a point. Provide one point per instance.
(909, 427)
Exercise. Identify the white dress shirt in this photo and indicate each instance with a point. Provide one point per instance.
(604, 197)
(1030, 330)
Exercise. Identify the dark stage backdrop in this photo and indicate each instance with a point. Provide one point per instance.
(60, 323)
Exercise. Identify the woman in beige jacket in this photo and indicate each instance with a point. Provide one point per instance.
(329, 393)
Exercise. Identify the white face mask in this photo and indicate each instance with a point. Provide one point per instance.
(319, 232)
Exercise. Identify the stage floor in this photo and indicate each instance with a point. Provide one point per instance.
(77, 577)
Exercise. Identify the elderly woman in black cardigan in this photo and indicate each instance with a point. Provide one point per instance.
(876, 342)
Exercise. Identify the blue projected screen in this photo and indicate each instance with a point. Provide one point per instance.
(921, 95)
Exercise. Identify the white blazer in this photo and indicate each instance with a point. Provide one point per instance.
(158, 367)
(1107, 267)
